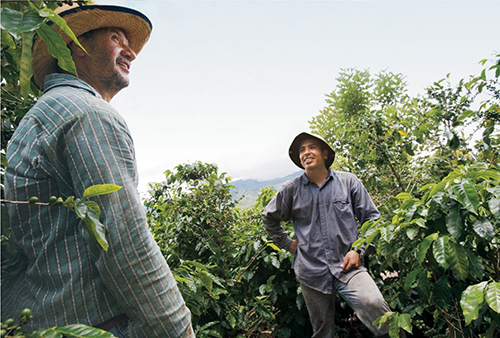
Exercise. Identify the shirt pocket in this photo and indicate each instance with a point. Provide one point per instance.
(343, 210)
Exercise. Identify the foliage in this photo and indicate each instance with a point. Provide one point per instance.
(10, 328)
(395, 143)
(86, 210)
(449, 271)
(20, 21)
(234, 280)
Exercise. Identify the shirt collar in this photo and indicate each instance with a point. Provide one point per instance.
(57, 79)
(306, 181)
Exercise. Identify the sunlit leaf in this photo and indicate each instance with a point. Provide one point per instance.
(493, 296)
(440, 251)
(57, 48)
(94, 206)
(467, 196)
(25, 71)
(80, 209)
(100, 189)
(48, 333)
(17, 23)
(494, 205)
(404, 322)
(96, 229)
(484, 228)
(83, 331)
(471, 300)
(61, 23)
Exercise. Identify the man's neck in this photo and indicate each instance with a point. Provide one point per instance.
(317, 175)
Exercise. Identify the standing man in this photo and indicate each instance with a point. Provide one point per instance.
(323, 206)
(72, 139)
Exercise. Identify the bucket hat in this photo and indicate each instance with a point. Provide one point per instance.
(294, 149)
(83, 19)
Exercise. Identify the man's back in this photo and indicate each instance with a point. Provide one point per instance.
(72, 139)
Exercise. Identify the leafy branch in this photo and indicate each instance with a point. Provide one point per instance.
(86, 210)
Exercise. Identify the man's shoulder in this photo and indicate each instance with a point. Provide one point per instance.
(291, 183)
(345, 177)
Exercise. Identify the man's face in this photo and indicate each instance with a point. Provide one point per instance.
(310, 154)
(109, 59)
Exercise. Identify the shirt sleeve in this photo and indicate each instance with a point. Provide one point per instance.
(278, 209)
(100, 151)
(364, 208)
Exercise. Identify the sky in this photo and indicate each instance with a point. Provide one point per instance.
(233, 82)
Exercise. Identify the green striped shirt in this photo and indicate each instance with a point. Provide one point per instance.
(72, 139)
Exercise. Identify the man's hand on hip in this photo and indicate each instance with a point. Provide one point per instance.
(293, 246)
(351, 260)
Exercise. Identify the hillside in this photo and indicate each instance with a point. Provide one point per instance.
(247, 190)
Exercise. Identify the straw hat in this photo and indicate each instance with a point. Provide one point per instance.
(297, 141)
(84, 19)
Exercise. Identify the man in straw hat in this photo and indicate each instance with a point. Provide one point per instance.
(72, 139)
(323, 206)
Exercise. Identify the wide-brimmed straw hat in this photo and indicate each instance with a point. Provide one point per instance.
(297, 141)
(83, 19)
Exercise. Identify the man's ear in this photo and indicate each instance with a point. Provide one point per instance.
(75, 50)
(325, 154)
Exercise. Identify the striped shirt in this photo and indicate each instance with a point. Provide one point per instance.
(325, 223)
(72, 139)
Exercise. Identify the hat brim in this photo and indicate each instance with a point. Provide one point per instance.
(293, 152)
(84, 19)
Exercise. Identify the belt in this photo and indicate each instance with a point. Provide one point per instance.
(107, 325)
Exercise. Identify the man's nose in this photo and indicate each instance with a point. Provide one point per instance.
(129, 52)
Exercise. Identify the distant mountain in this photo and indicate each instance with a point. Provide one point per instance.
(247, 191)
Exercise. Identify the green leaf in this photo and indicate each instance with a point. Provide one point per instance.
(494, 205)
(207, 281)
(383, 319)
(424, 246)
(471, 300)
(411, 277)
(100, 189)
(476, 266)
(48, 333)
(440, 248)
(465, 114)
(493, 296)
(454, 142)
(57, 48)
(94, 206)
(96, 229)
(80, 209)
(83, 331)
(25, 71)
(404, 322)
(61, 23)
(17, 23)
(484, 228)
(231, 320)
(467, 195)
(394, 327)
(459, 262)
(454, 222)
(442, 292)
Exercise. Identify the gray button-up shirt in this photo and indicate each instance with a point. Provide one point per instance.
(325, 221)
